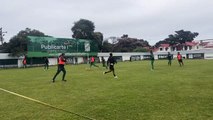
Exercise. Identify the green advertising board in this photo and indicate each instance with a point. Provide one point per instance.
(52, 47)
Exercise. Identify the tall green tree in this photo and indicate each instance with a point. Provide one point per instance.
(107, 47)
(160, 42)
(98, 38)
(85, 29)
(17, 45)
(172, 40)
(185, 36)
(180, 37)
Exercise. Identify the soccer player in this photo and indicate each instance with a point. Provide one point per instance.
(61, 63)
(169, 57)
(24, 62)
(46, 63)
(180, 61)
(103, 62)
(110, 62)
(152, 60)
(92, 62)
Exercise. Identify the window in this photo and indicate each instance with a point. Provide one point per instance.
(173, 48)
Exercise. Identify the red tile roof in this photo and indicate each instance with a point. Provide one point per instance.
(208, 47)
(204, 43)
(164, 45)
(189, 44)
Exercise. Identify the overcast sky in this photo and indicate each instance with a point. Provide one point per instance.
(151, 20)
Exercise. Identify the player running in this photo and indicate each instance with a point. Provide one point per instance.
(169, 57)
(92, 62)
(110, 62)
(152, 60)
(61, 63)
(46, 63)
(180, 61)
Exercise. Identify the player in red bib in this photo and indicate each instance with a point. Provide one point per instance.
(61, 63)
(180, 61)
(92, 62)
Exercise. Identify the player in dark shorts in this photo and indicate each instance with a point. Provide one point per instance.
(180, 61)
(46, 63)
(92, 62)
(61, 63)
(152, 60)
(110, 62)
(169, 57)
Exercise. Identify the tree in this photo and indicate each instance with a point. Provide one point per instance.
(17, 45)
(107, 47)
(185, 36)
(179, 38)
(160, 42)
(83, 29)
(126, 44)
(4, 48)
(172, 40)
(140, 49)
(98, 38)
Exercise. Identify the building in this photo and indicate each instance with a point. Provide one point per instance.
(7, 61)
(187, 46)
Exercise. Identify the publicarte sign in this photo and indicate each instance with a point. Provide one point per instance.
(51, 47)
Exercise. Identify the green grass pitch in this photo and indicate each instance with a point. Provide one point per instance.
(167, 93)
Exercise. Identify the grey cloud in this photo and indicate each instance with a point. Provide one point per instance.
(152, 20)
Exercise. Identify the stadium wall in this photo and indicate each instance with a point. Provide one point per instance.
(7, 61)
(193, 54)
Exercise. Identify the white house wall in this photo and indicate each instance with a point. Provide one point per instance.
(208, 56)
(80, 60)
(53, 61)
(6, 56)
(126, 57)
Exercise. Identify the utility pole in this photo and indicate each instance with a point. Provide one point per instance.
(1, 35)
